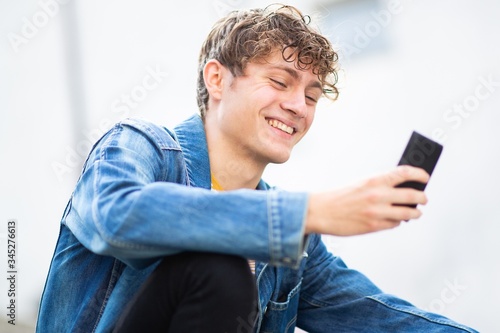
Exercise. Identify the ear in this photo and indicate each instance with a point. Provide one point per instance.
(213, 75)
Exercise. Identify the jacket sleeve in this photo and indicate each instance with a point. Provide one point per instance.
(331, 292)
(335, 298)
(131, 202)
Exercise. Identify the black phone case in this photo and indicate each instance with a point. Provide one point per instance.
(420, 152)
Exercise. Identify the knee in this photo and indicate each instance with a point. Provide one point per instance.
(229, 278)
(229, 269)
(221, 275)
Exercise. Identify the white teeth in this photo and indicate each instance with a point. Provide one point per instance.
(278, 124)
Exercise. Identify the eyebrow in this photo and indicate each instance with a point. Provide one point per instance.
(293, 73)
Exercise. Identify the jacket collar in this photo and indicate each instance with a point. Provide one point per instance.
(192, 139)
(191, 136)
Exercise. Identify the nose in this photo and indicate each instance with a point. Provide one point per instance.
(295, 102)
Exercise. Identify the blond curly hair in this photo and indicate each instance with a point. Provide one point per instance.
(253, 34)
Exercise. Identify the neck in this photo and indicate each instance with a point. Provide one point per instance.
(231, 167)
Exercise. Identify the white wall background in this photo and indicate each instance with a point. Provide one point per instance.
(66, 68)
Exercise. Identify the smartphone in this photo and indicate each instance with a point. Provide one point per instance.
(420, 152)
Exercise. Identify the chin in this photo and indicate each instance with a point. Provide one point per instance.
(280, 159)
(276, 153)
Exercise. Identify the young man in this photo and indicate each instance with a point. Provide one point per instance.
(175, 231)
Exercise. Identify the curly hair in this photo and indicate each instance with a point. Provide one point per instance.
(250, 35)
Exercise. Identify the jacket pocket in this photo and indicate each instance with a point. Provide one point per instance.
(281, 316)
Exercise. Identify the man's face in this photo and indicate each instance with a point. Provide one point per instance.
(265, 112)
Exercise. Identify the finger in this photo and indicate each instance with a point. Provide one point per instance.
(406, 196)
(404, 213)
(404, 173)
(384, 224)
(392, 213)
(390, 224)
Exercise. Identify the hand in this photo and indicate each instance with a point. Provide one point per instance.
(368, 206)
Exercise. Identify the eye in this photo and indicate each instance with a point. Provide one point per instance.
(281, 84)
(313, 96)
(312, 99)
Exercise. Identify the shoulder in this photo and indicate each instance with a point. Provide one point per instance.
(161, 136)
(139, 144)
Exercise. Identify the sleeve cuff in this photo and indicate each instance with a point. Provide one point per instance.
(286, 217)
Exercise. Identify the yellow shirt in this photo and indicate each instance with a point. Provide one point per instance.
(216, 187)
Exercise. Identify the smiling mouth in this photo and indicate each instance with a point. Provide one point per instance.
(279, 125)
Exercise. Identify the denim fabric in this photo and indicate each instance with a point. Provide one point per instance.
(325, 296)
(144, 193)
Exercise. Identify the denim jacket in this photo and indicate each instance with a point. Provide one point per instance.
(144, 193)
